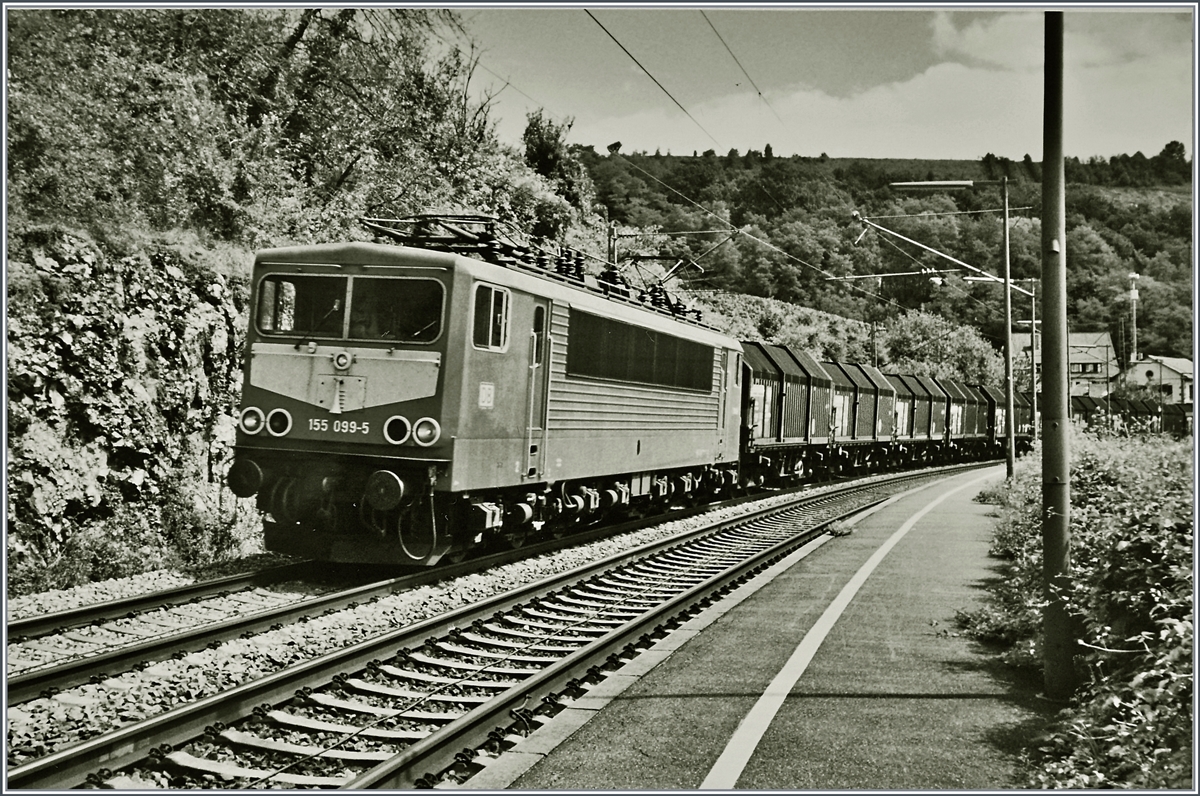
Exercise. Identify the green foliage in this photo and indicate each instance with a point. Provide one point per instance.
(928, 345)
(180, 139)
(1131, 592)
(821, 335)
(797, 215)
(260, 127)
(150, 149)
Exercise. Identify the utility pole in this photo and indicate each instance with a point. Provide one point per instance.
(1058, 645)
(957, 185)
(1010, 462)
(1133, 300)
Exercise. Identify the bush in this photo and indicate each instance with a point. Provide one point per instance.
(1130, 591)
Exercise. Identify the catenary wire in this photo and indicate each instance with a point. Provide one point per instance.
(688, 199)
(953, 213)
(739, 63)
(760, 241)
(652, 77)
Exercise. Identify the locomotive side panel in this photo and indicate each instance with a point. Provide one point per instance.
(630, 398)
(497, 425)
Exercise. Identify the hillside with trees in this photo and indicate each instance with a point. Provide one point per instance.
(150, 152)
(783, 228)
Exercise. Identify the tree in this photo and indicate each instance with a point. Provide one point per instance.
(546, 151)
(928, 345)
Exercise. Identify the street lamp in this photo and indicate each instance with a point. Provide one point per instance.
(959, 185)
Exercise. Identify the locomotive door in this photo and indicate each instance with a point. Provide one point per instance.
(540, 346)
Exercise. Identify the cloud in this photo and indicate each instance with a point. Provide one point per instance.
(1013, 41)
(1090, 38)
(1128, 87)
(951, 110)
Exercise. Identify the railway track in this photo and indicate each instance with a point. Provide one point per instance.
(50, 653)
(409, 707)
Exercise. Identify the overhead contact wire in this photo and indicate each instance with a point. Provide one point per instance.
(652, 77)
(739, 63)
(953, 213)
(768, 244)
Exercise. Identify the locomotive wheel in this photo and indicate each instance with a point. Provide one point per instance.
(516, 539)
(375, 521)
(328, 518)
(285, 501)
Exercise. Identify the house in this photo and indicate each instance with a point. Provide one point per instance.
(1170, 377)
(1091, 361)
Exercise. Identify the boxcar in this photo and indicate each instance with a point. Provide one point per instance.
(786, 410)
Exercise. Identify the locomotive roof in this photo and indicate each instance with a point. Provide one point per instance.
(582, 294)
(487, 239)
(330, 253)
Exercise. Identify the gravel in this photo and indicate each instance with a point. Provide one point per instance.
(44, 726)
(51, 602)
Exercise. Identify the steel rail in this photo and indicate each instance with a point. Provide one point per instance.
(70, 767)
(427, 758)
(45, 624)
(46, 681)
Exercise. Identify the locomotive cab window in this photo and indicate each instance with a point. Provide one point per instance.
(302, 304)
(491, 318)
(401, 309)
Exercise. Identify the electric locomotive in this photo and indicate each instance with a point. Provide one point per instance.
(444, 387)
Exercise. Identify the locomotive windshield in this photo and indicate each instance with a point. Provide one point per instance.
(397, 309)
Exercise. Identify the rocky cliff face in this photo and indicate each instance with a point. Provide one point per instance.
(123, 375)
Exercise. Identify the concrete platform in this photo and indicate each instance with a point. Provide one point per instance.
(842, 670)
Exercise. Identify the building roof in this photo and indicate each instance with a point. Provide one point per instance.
(1178, 364)
(1082, 346)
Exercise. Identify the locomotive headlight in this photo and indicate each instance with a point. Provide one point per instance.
(279, 422)
(426, 432)
(397, 430)
(252, 420)
(342, 360)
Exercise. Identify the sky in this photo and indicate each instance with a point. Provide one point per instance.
(901, 82)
